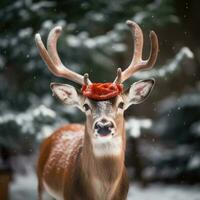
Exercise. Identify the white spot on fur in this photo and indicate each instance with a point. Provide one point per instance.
(107, 146)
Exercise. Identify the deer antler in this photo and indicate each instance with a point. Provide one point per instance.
(137, 63)
(51, 58)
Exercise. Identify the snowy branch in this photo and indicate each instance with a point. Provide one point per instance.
(174, 66)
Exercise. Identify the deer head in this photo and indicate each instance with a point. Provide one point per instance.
(104, 118)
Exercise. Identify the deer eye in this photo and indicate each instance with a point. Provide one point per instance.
(86, 107)
(121, 105)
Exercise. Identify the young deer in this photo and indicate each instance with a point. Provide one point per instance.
(87, 162)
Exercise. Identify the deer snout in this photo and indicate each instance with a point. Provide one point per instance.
(104, 127)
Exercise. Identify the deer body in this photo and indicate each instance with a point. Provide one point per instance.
(87, 162)
(78, 174)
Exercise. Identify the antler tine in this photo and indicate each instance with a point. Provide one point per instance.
(137, 62)
(51, 44)
(154, 50)
(43, 52)
(118, 79)
(52, 59)
(86, 79)
(138, 42)
(137, 54)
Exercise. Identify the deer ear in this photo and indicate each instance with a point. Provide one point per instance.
(138, 92)
(66, 93)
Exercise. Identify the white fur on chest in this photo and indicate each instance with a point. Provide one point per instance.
(107, 146)
(103, 190)
(98, 188)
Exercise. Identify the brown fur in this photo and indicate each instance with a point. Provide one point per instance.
(68, 168)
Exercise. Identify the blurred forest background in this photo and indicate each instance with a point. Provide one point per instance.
(163, 133)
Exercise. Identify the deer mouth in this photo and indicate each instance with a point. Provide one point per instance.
(104, 131)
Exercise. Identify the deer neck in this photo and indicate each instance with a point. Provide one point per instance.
(108, 168)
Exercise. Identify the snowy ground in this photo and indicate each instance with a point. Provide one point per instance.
(24, 188)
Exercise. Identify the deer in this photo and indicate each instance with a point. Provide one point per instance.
(86, 162)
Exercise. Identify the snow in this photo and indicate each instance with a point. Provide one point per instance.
(134, 126)
(164, 192)
(41, 5)
(120, 47)
(98, 17)
(195, 129)
(26, 32)
(112, 38)
(73, 41)
(24, 187)
(140, 16)
(170, 68)
(194, 162)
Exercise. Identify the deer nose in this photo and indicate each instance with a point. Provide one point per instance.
(104, 127)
